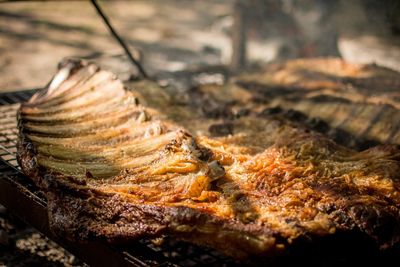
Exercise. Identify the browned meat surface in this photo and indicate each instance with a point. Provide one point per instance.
(360, 100)
(246, 184)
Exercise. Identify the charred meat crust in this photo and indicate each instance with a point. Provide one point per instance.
(258, 195)
(82, 214)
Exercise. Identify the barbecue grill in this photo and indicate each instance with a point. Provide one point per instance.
(22, 197)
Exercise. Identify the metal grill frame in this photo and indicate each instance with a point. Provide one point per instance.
(21, 197)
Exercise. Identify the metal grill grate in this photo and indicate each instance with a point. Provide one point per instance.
(8, 126)
(22, 197)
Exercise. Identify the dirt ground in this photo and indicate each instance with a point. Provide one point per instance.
(34, 37)
(175, 34)
(170, 36)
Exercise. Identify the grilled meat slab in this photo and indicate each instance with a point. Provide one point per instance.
(114, 169)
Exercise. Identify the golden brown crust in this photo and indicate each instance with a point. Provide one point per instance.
(257, 192)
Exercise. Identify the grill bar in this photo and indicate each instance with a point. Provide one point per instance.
(21, 197)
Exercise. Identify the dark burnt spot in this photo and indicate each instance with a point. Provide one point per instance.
(318, 125)
(329, 99)
(340, 136)
(327, 208)
(217, 111)
(385, 227)
(291, 220)
(173, 145)
(270, 111)
(295, 115)
(259, 99)
(376, 221)
(30, 147)
(205, 153)
(221, 129)
(88, 174)
(243, 112)
(209, 106)
(365, 144)
(342, 219)
(269, 90)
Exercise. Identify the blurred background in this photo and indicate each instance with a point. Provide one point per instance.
(177, 35)
(172, 39)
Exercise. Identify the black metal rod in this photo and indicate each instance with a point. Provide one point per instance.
(119, 39)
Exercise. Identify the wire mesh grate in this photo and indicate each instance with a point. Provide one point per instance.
(169, 252)
(8, 130)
